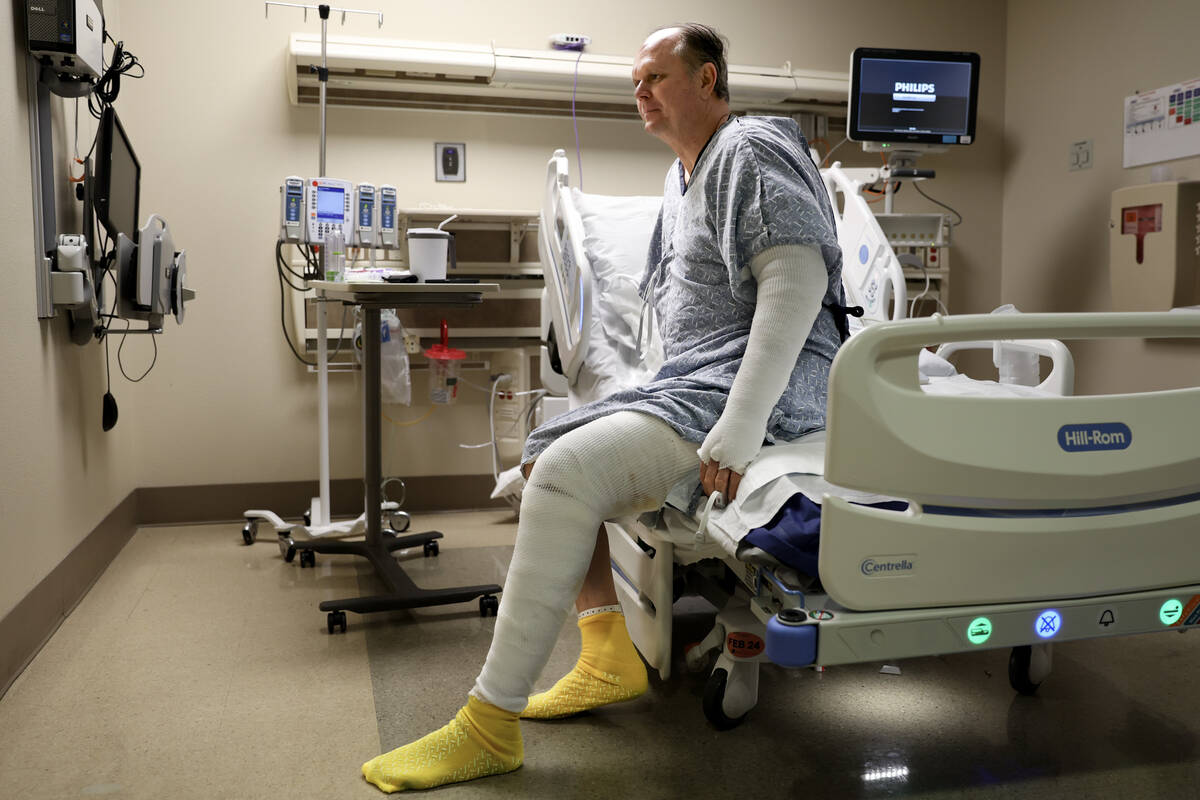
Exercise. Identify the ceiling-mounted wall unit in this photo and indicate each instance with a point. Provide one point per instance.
(388, 73)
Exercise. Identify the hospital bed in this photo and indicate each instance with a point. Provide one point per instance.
(935, 514)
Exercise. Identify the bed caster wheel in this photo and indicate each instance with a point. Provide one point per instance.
(308, 558)
(1028, 666)
(487, 604)
(431, 549)
(399, 521)
(250, 531)
(336, 619)
(714, 696)
(307, 517)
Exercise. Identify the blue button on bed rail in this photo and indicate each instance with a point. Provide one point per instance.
(791, 642)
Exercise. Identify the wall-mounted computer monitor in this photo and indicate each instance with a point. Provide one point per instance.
(118, 177)
(919, 97)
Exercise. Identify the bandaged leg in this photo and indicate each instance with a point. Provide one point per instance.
(616, 465)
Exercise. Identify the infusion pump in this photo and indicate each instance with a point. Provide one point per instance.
(328, 205)
(311, 207)
(365, 215)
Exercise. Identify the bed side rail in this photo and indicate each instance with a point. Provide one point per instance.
(871, 274)
(568, 275)
(886, 436)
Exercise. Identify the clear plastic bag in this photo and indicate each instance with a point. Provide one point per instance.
(394, 376)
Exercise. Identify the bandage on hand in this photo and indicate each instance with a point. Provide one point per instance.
(715, 478)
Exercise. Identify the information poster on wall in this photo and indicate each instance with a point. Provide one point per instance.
(1163, 124)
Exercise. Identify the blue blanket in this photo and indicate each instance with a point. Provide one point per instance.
(794, 534)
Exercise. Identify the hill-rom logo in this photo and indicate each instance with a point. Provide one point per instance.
(888, 566)
(1094, 436)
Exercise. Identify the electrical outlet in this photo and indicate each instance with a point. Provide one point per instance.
(412, 343)
(1080, 155)
(450, 161)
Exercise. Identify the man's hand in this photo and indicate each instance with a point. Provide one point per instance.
(714, 478)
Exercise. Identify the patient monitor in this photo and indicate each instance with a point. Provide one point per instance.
(912, 100)
(1154, 246)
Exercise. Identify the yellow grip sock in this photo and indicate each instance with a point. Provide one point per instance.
(609, 670)
(481, 740)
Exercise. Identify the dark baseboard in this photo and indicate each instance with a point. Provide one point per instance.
(25, 629)
(177, 505)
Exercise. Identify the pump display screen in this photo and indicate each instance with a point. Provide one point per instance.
(917, 96)
(331, 204)
(387, 214)
(366, 210)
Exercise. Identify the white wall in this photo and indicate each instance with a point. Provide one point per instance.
(1070, 66)
(215, 132)
(60, 475)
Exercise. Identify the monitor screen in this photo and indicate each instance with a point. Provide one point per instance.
(118, 176)
(331, 203)
(916, 96)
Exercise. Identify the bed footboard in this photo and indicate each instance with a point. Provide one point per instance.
(1014, 498)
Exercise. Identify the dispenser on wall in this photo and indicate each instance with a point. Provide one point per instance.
(1154, 246)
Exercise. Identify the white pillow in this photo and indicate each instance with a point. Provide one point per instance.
(616, 238)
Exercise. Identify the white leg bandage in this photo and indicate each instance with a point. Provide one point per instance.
(621, 464)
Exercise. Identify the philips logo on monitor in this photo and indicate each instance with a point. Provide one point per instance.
(1094, 436)
(887, 566)
(918, 92)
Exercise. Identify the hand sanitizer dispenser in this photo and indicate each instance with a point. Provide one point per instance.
(1154, 246)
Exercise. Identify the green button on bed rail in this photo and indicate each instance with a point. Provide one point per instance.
(979, 631)
(1170, 612)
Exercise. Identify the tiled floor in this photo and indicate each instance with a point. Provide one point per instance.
(201, 668)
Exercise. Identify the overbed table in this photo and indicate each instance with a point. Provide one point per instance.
(402, 592)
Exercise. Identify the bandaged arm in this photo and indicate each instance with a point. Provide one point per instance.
(792, 280)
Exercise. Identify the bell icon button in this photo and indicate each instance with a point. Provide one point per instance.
(1107, 618)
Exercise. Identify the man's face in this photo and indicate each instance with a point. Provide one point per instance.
(669, 97)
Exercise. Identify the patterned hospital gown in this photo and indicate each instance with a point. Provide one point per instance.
(754, 187)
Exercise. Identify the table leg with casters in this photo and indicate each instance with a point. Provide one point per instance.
(401, 591)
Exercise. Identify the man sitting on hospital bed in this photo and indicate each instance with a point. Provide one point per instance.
(744, 281)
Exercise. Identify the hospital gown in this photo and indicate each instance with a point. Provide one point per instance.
(754, 187)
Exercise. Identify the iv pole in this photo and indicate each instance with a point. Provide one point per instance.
(318, 521)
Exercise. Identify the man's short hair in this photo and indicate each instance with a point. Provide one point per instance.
(700, 44)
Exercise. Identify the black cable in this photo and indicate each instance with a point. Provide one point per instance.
(105, 92)
(107, 366)
(940, 203)
(153, 361)
(281, 266)
(895, 190)
(283, 316)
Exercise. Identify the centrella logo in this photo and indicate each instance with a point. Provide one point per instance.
(881, 566)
